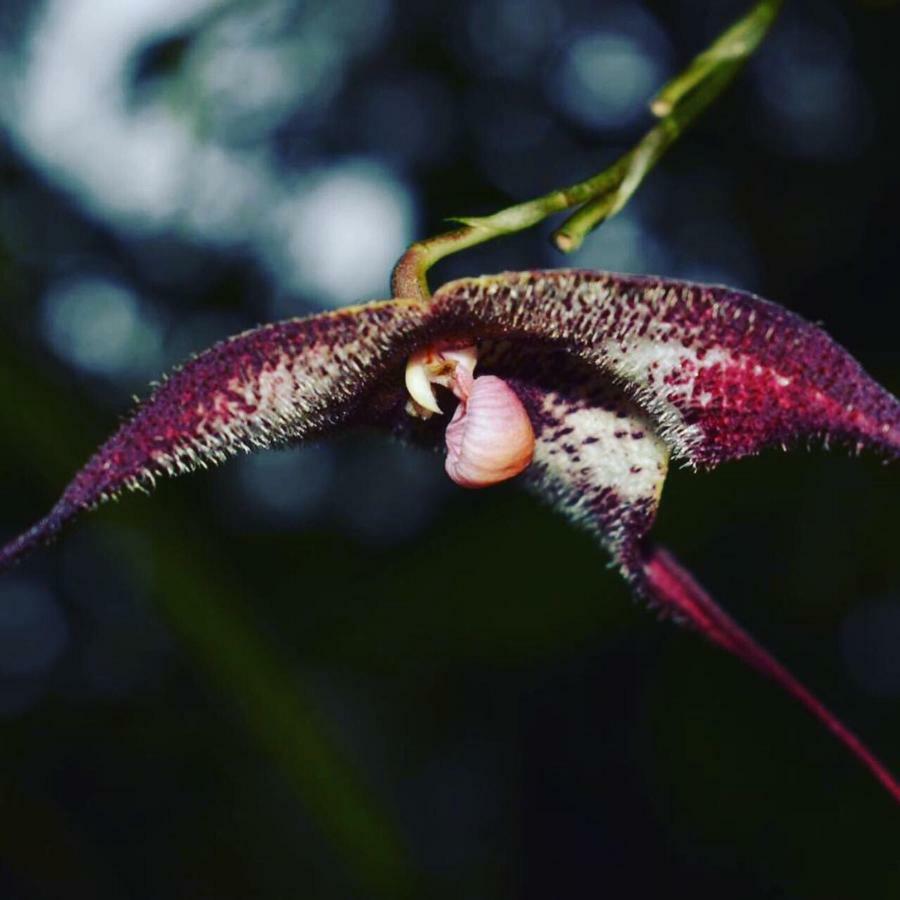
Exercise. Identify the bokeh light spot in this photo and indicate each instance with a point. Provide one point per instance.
(606, 77)
(347, 229)
(815, 101)
(626, 243)
(509, 36)
(99, 325)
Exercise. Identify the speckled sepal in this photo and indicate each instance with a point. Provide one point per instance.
(722, 373)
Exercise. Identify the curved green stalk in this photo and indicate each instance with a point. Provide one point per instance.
(677, 105)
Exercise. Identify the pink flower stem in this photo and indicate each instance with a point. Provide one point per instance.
(673, 588)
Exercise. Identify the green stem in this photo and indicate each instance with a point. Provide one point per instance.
(677, 105)
(735, 45)
(639, 161)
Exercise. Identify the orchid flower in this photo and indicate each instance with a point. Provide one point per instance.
(581, 384)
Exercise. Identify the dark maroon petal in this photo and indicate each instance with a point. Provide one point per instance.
(712, 373)
(717, 386)
(278, 383)
(667, 585)
(614, 371)
(723, 373)
(599, 463)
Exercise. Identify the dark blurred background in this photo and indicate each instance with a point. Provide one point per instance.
(325, 672)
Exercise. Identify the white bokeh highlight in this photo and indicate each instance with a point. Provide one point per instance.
(348, 224)
(192, 159)
(100, 325)
(605, 77)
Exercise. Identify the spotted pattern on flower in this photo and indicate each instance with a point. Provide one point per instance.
(597, 457)
(723, 373)
(615, 373)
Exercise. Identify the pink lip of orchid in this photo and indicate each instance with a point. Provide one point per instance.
(490, 438)
(614, 374)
